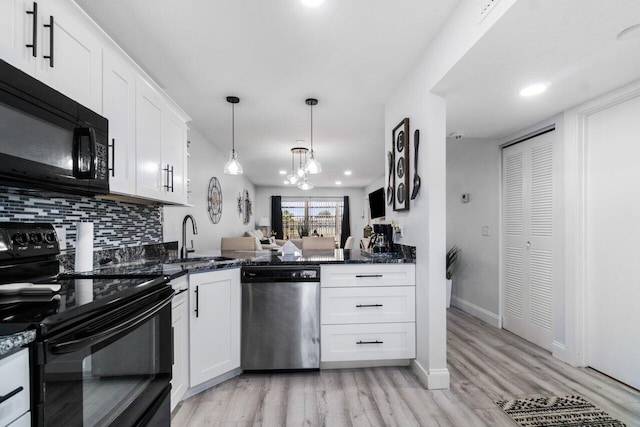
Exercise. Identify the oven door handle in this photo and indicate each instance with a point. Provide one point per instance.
(73, 345)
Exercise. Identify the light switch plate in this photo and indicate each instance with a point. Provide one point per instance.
(465, 198)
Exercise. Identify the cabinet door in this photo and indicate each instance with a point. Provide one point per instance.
(180, 323)
(149, 176)
(76, 64)
(214, 324)
(118, 101)
(174, 156)
(16, 32)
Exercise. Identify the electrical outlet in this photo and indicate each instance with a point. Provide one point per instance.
(465, 198)
(486, 230)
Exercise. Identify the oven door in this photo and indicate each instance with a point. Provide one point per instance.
(113, 371)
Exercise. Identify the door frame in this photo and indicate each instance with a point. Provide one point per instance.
(576, 141)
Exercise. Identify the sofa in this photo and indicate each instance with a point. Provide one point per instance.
(263, 242)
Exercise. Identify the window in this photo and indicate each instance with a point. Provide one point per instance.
(307, 217)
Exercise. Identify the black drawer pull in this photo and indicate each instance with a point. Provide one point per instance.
(10, 394)
(368, 305)
(370, 342)
(360, 276)
(197, 301)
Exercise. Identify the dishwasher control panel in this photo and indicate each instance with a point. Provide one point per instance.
(278, 273)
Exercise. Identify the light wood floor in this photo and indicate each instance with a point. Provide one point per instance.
(486, 364)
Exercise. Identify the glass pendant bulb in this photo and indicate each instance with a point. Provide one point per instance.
(313, 166)
(233, 166)
(305, 184)
(293, 178)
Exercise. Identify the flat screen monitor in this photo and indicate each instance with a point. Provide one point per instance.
(377, 203)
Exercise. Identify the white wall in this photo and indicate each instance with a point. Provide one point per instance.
(262, 206)
(473, 166)
(206, 161)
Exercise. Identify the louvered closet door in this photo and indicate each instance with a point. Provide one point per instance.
(527, 251)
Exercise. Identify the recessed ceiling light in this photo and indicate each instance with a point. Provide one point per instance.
(312, 3)
(630, 33)
(282, 172)
(347, 173)
(285, 182)
(533, 90)
(338, 182)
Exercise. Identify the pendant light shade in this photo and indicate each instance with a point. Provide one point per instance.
(305, 184)
(312, 165)
(233, 166)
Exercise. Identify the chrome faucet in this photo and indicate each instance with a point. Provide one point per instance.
(184, 252)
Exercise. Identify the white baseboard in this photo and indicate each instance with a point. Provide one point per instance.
(560, 352)
(207, 385)
(435, 379)
(365, 364)
(477, 311)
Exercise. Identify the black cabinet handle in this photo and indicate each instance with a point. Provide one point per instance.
(113, 157)
(167, 171)
(360, 276)
(368, 305)
(370, 342)
(197, 302)
(173, 346)
(10, 394)
(172, 179)
(34, 42)
(50, 27)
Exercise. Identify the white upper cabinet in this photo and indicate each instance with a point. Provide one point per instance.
(150, 177)
(19, 28)
(118, 106)
(51, 41)
(174, 156)
(70, 57)
(55, 42)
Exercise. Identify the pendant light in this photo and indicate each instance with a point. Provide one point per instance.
(233, 166)
(305, 184)
(293, 177)
(312, 166)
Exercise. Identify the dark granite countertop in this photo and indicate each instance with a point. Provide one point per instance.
(216, 260)
(9, 343)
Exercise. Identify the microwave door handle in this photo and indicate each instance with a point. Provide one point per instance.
(93, 149)
(129, 324)
(80, 135)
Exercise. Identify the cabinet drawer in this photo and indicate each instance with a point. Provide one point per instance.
(14, 371)
(333, 276)
(375, 341)
(368, 305)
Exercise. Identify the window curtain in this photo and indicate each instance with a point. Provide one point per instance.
(346, 224)
(276, 216)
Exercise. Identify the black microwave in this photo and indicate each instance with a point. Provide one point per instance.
(47, 140)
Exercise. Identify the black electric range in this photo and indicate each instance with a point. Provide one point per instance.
(103, 348)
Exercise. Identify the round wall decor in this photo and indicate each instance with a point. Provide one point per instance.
(214, 200)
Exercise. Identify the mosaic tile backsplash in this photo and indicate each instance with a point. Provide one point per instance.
(115, 223)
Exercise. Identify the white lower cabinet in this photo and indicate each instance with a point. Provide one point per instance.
(214, 323)
(367, 312)
(368, 341)
(14, 372)
(180, 328)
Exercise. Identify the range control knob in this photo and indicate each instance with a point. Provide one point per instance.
(20, 239)
(35, 238)
(50, 237)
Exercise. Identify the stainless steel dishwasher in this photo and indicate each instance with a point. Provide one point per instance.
(280, 317)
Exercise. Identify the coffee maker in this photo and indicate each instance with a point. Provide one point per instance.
(383, 235)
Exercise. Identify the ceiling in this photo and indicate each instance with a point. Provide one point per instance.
(351, 55)
(274, 54)
(570, 44)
